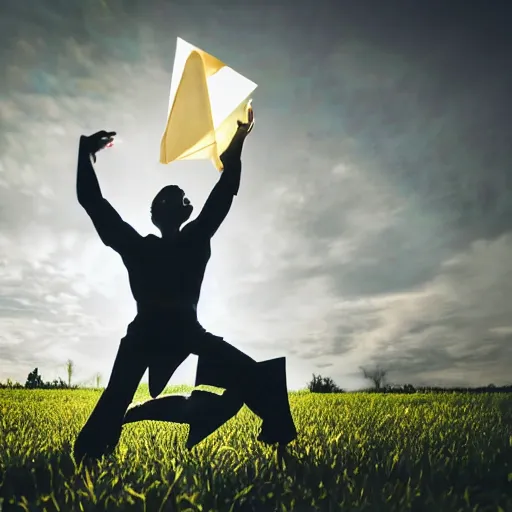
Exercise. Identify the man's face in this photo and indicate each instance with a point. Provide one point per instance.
(170, 207)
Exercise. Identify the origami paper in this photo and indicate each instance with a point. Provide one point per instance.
(206, 99)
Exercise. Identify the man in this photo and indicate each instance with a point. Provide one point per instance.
(166, 275)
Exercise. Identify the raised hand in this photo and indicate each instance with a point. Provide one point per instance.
(96, 142)
(246, 128)
(234, 150)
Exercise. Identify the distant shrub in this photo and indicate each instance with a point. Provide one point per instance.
(9, 384)
(321, 384)
(35, 381)
(409, 388)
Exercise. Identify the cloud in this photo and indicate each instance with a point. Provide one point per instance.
(452, 322)
(47, 304)
(373, 220)
(63, 293)
(379, 288)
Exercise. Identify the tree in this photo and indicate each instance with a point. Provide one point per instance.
(10, 384)
(377, 375)
(34, 380)
(409, 388)
(70, 367)
(321, 384)
(57, 384)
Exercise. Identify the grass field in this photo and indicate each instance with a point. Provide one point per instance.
(355, 452)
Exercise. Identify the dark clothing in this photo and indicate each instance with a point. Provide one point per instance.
(160, 271)
(160, 342)
(151, 342)
(165, 276)
(163, 271)
(168, 272)
(168, 337)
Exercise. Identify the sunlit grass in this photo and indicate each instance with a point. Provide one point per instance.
(362, 452)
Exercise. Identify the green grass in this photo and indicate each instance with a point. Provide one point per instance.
(355, 452)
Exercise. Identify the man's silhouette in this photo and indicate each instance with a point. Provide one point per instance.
(165, 275)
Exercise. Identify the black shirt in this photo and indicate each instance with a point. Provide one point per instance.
(167, 271)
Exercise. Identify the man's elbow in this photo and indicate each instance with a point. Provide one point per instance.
(85, 202)
(230, 180)
(89, 203)
(82, 198)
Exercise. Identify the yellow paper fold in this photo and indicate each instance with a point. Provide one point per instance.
(206, 100)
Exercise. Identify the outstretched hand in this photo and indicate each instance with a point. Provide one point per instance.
(96, 142)
(234, 150)
(245, 128)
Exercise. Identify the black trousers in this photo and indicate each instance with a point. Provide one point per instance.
(161, 341)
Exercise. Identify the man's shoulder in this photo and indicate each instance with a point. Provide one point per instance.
(193, 231)
(193, 228)
(189, 228)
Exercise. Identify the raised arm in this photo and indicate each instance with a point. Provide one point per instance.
(221, 197)
(112, 229)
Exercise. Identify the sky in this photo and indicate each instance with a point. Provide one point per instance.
(374, 220)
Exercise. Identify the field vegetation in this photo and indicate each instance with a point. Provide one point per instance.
(355, 452)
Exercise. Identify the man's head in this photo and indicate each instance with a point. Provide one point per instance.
(170, 208)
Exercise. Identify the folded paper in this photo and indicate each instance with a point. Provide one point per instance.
(206, 100)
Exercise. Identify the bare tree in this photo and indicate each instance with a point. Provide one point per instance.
(97, 379)
(377, 375)
(70, 367)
